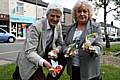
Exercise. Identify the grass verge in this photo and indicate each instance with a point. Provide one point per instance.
(113, 48)
(108, 72)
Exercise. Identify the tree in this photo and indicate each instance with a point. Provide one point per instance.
(117, 16)
(105, 5)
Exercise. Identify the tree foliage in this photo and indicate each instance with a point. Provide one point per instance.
(101, 3)
(106, 5)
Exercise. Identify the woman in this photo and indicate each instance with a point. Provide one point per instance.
(84, 61)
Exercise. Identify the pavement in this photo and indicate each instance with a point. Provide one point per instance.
(5, 61)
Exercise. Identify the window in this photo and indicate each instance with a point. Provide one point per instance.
(13, 11)
(20, 8)
(44, 12)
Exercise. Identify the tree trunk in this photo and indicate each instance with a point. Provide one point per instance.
(105, 29)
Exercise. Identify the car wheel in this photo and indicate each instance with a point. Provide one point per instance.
(11, 40)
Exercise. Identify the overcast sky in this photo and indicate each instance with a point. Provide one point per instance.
(70, 3)
(65, 3)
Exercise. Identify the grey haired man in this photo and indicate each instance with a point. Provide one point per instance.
(43, 36)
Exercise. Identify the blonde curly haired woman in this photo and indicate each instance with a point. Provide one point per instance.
(84, 63)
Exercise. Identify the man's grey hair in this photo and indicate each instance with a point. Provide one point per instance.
(54, 6)
(81, 4)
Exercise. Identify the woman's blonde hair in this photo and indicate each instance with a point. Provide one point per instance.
(81, 4)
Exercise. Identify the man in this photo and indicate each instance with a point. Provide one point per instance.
(42, 37)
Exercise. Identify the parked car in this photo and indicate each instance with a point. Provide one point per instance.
(117, 38)
(111, 38)
(6, 37)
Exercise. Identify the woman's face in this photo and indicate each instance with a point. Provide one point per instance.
(82, 14)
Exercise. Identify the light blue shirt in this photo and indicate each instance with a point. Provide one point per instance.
(76, 60)
(49, 33)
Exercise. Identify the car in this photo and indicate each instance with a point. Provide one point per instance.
(6, 37)
(112, 38)
(117, 38)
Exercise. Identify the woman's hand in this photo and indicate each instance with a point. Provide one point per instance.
(88, 48)
(70, 52)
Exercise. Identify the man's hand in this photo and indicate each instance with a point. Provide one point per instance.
(47, 64)
(53, 53)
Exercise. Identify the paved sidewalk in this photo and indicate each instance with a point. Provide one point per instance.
(8, 58)
(111, 60)
(3, 62)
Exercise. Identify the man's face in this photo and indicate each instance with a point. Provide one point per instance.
(82, 14)
(54, 17)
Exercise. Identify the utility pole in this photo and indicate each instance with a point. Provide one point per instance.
(36, 8)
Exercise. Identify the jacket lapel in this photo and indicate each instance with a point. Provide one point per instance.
(89, 27)
(72, 31)
(44, 33)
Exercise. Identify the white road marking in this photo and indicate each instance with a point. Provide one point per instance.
(9, 52)
(11, 43)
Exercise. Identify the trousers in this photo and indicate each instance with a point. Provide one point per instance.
(76, 74)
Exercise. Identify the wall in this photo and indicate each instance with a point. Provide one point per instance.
(19, 23)
(68, 19)
(4, 6)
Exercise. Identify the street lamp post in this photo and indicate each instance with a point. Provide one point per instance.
(36, 8)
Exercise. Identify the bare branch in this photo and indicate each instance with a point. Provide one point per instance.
(113, 9)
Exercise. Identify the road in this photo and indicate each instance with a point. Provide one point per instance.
(9, 51)
(111, 43)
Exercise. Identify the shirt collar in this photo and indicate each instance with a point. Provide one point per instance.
(48, 26)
